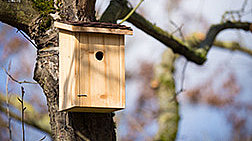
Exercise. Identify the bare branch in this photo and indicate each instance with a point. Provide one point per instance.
(244, 5)
(19, 15)
(82, 136)
(207, 43)
(182, 78)
(22, 111)
(7, 105)
(231, 15)
(15, 80)
(179, 29)
(131, 12)
(33, 118)
(42, 138)
(234, 46)
(196, 38)
(195, 54)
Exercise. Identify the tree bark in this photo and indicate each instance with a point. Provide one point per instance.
(67, 125)
(118, 9)
(38, 24)
(168, 118)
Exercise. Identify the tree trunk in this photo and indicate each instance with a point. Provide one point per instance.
(69, 125)
(168, 117)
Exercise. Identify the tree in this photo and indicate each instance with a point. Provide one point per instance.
(35, 18)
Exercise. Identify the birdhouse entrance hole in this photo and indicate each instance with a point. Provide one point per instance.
(99, 55)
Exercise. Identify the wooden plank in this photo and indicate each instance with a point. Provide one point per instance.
(75, 98)
(97, 71)
(67, 65)
(84, 71)
(63, 89)
(71, 78)
(92, 29)
(62, 98)
(122, 71)
(113, 69)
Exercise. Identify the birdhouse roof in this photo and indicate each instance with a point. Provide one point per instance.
(96, 27)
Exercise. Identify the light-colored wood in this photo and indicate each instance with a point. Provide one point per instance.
(113, 68)
(67, 72)
(92, 29)
(88, 84)
(122, 72)
(101, 80)
(97, 71)
(76, 100)
(84, 70)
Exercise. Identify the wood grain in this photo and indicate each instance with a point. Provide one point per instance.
(67, 71)
(92, 29)
(88, 84)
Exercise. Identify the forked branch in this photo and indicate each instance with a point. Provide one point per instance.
(196, 54)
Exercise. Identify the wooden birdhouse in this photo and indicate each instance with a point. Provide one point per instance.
(91, 66)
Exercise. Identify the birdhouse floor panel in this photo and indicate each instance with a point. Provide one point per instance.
(92, 109)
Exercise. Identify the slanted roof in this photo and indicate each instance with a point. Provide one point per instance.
(95, 27)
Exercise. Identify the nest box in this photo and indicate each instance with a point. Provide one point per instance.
(91, 66)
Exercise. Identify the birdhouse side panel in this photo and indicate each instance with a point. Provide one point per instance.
(69, 71)
(122, 72)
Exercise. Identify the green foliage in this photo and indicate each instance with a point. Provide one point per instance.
(46, 23)
(166, 80)
(44, 7)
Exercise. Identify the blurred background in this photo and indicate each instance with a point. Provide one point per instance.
(215, 102)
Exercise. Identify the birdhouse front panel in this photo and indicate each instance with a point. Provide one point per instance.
(92, 71)
(102, 70)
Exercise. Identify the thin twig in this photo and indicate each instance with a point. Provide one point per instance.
(131, 12)
(186, 62)
(27, 38)
(182, 78)
(7, 105)
(31, 117)
(233, 13)
(15, 80)
(196, 54)
(244, 5)
(81, 136)
(22, 111)
(183, 75)
(42, 138)
(179, 29)
(182, 81)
